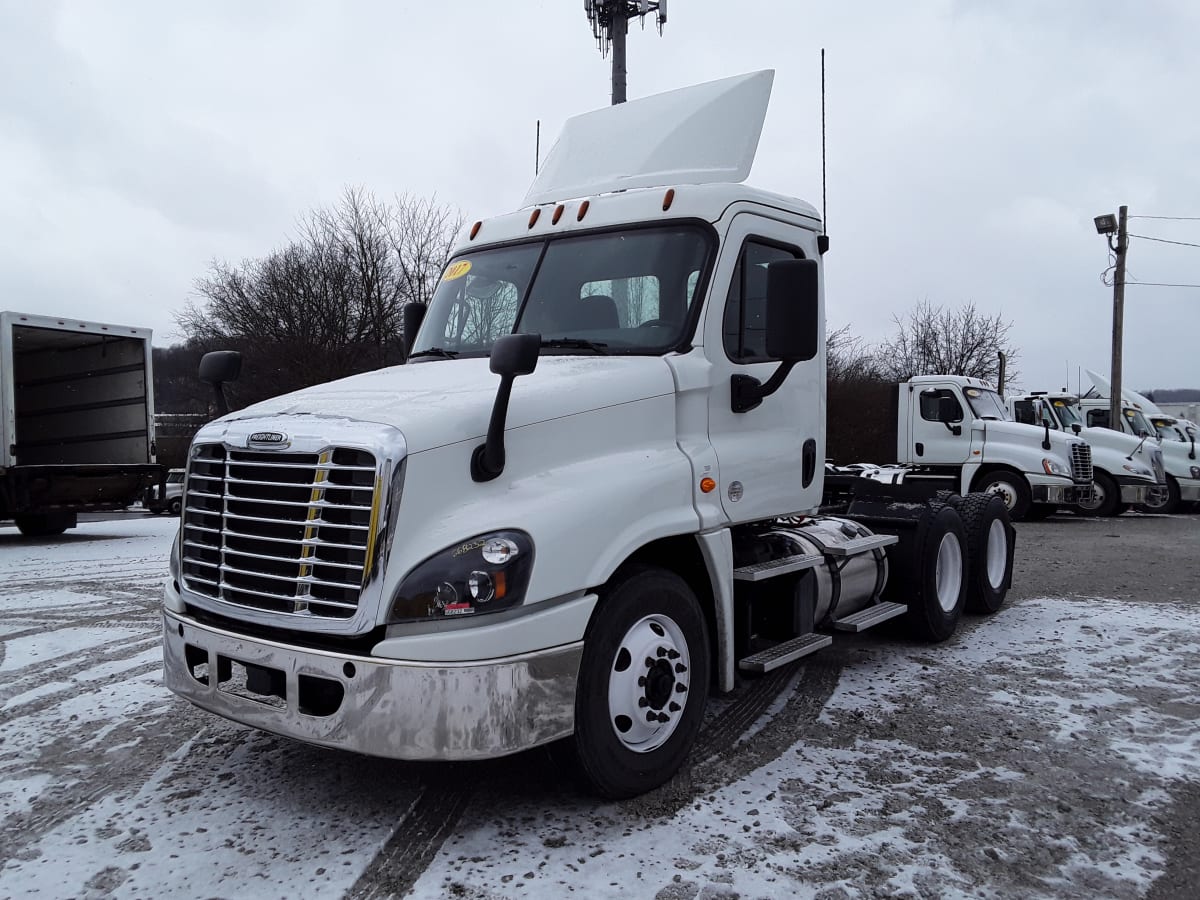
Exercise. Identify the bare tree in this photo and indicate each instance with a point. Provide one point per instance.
(849, 358)
(329, 303)
(936, 340)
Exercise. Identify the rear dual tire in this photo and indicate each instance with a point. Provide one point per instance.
(991, 542)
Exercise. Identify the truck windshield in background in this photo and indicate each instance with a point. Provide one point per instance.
(1067, 412)
(1138, 422)
(986, 404)
(631, 291)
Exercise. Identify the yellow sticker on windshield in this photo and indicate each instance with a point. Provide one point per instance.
(457, 270)
(1059, 403)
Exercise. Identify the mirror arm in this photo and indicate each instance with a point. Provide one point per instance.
(1046, 439)
(487, 461)
(746, 392)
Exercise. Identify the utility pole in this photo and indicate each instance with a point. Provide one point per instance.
(610, 25)
(1118, 330)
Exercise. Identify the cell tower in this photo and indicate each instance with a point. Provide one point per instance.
(610, 24)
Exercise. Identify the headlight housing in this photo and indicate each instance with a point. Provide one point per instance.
(1056, 467)
(485, 574)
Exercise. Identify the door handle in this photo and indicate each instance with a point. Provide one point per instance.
(920, 449)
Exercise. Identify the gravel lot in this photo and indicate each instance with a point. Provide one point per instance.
(1050, 750)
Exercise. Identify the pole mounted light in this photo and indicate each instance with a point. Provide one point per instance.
(1106, 224)
(610, 24)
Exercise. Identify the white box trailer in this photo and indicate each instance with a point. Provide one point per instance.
(76, 419)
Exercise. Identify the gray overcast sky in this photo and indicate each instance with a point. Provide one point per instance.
(970, 143)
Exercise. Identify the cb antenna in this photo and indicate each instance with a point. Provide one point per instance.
(610, 24)
(823, 237)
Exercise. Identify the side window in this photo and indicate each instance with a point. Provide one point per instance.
(746, 307)
(1097, 418)
(1023, 412)
(930, 401)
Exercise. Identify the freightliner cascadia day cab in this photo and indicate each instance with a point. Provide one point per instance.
(588, 498)
(1126, 470)
(76, 420)
(956, 431)
(1179, 457)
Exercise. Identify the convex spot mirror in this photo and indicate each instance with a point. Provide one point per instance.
(793, 310)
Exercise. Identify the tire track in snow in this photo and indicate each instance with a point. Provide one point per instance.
(40, 674)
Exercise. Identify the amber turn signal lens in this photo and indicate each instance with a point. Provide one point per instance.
(533, 217)
(558, 211)
(583, 208)
(668, 199)
(475, 230)
(707, 485)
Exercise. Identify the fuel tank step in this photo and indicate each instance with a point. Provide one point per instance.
(872, 615)
(862, 545)
(776, 567)
(782, 654)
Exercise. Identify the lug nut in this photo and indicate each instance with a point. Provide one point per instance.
(673, 654)
(662, 651)
(643, 702)
(663, 717)
(680, 667)
(641, 681)
(680, 687)
(649, 662)
(651, 717)
(674, 707)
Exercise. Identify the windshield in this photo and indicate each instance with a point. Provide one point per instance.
(986, 403)
(1137, 422)
(625, 292)
(1067, 411)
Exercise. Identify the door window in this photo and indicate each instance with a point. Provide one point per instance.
(930, 401)
(745, 329)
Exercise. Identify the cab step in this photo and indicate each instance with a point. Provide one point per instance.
(862, 545)
(775, 567)
(782, 654)
(872, 615)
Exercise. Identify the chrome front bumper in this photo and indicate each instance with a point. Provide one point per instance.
(1136, 492)
(391, 708)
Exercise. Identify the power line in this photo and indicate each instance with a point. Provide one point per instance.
(1161, 284)
(1170, 218)
(1146, 237)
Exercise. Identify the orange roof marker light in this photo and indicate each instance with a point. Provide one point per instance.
(707, 485)
(583, 208)
(533, 216)
(668, 199)
(558, 211)
(475, 230)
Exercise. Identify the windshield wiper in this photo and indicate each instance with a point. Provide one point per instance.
(577, 344)
(435, 351)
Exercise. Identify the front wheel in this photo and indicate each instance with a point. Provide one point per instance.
(44, 524)
(1105, 499)
(1164, 500)
(1011, 488)
(643, 683)
(176, 506)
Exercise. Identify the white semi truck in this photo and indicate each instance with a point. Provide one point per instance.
(76, 420)
(1127, 470)
(955, 431)
(588, 498)
(1179, 457)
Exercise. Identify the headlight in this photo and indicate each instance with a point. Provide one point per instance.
(1055, 467)
(1138, 470)
(485, 574)
(1196, 471)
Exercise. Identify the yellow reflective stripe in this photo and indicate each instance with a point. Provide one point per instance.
(371, 532)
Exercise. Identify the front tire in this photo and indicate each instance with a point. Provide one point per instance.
(643, 683)
(1106, 497)
(176, 506)
(1011, 488)
(44, 524)
(1167, 500)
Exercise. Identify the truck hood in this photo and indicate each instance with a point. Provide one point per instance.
(1032, 435)
(443, 402)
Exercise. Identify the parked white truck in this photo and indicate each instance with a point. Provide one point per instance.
(588, 497)
(1126, 470)
(76, 420)
(955, 431)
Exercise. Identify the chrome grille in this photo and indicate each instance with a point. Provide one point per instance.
(279, 531)
(1081, 463)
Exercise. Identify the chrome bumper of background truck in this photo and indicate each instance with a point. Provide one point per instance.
(1061, 494)
(1133, 492)
(390, 708)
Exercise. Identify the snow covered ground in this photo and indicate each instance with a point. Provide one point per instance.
(1041, 752)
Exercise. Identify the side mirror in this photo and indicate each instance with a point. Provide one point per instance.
(1076, 427)
(793, 320)
(218, 368)
(512, 355)
(414, 315)
(948, 410)
(793, 328)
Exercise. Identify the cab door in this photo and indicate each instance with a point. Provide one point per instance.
(768, 457)
(937, 442)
